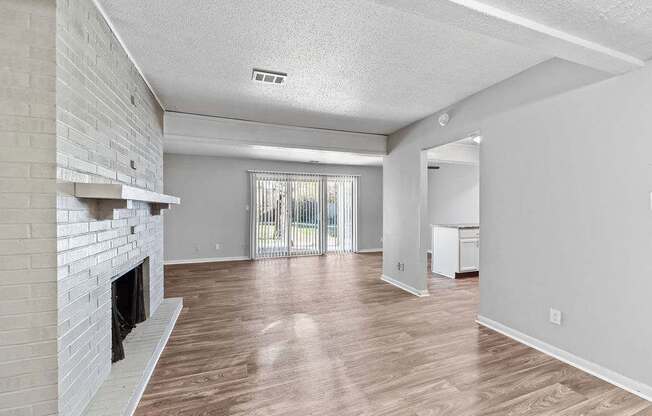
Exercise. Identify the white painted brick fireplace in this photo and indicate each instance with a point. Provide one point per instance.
(74, 109)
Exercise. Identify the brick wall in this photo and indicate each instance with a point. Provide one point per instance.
(100, 129)
(73, 108)
(28, 317)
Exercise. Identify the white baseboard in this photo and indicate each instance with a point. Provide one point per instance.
(205, 260)
(407, 288)
(370, 250)
(635, 387)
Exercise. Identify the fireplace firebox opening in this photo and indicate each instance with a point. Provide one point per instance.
(128, 296)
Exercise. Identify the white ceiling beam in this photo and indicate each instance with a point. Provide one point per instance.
(481, 18)
(194, 129)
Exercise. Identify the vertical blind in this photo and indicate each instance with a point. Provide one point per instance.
(294, 214)
(341, 209)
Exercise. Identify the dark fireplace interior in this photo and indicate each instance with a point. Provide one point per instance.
(128, 308)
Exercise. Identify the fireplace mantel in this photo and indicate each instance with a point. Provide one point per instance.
(121, 196)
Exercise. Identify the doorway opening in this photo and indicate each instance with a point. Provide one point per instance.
(302, 214)
(453, 202)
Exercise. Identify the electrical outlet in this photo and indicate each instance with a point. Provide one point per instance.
(555, 316)
(218, 246)
(398, 266)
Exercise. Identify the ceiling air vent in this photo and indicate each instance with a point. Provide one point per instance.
(268, 77)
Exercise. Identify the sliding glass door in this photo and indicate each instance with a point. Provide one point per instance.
(305, 215)
(294, 214)
(341, 191)
(270, 211)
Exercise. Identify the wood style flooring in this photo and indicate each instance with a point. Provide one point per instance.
(325, 336)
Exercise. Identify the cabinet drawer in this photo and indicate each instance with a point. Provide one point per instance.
(469, 232)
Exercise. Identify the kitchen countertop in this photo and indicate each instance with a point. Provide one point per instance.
(457, 225)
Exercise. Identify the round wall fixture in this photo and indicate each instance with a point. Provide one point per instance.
(444, 119)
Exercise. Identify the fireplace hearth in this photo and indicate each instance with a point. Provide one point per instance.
(127, 308)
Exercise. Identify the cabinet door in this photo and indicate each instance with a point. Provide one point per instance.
(469, 254)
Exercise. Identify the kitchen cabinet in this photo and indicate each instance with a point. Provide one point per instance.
(455, 249)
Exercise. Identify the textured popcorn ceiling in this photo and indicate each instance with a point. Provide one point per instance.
(624, 25)
(352, 65)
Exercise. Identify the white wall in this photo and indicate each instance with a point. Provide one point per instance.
(214, 192)
(406, 233)
(454, 194)
(90, 148)
(567, 222)
(565, 210)
(28, 221)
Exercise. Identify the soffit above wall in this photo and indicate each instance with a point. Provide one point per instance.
(215, 136)
(462, 152)
(202, 148)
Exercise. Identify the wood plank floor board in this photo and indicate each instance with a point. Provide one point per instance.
(611, 403)
(645, 412)
(324, 336)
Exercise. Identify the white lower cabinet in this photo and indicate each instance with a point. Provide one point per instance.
(469, 255)
(455, 249)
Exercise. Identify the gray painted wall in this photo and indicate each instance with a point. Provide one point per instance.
(566, 220)
(406, 233)
(565, 208)
(214, 194)
(454, 194)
